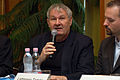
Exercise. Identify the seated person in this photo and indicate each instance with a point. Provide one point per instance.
(6, 62)
(71, 54)
(108, 62)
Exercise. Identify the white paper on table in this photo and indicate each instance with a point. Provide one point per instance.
(99, 77)
(31, 76)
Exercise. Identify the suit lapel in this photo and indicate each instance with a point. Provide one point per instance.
(111, 52)
(117, 64)
(67, 54)
(112, 56)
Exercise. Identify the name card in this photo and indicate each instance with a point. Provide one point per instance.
(31, 76)
(99, 77)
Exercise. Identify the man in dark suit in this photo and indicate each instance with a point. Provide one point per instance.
(71, 55)
(109, 53)
(5, 57)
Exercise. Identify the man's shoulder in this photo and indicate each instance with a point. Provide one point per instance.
(3, 38)
(108, 41)
(111, 38)
(80, 36)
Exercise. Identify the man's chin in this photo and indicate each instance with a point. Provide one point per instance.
(60, 33)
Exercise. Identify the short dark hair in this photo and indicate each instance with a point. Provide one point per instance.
(114, 3)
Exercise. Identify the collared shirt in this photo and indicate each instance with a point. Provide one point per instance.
(117, 51)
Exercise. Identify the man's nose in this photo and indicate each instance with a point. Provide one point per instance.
(106, 23)
(57, 22)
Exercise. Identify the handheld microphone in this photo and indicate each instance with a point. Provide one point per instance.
(54, 33)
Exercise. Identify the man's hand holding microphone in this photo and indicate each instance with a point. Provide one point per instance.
(48, 49)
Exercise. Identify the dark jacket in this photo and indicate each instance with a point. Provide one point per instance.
(6, 61)
(77, 58)
(106, 58)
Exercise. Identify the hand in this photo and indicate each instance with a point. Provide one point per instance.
(46, 51)
(58, 77)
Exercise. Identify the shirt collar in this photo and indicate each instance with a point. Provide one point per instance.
(117, 42)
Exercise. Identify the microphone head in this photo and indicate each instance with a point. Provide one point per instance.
(54, 32)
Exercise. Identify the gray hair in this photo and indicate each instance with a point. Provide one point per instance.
(57, 6)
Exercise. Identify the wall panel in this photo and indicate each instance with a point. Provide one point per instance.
(9, 4)
(2, 6)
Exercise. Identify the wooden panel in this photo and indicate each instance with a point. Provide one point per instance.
(102, 28)
(2, 7)
(10, 4)
(6, 6)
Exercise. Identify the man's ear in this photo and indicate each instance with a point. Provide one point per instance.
(48, 22)
(70, 21)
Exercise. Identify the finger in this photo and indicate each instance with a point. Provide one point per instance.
(49, 46)
(50, 50)
(50, 43)
(48, 53)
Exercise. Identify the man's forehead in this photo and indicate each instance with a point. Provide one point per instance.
(112, 11)
(60, 12)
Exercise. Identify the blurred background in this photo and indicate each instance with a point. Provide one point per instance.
(21, 20)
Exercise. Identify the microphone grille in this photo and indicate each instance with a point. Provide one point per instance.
(54, 32)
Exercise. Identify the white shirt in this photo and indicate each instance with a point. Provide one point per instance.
(117, 51)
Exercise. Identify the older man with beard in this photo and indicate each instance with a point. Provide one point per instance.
(108, 58)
